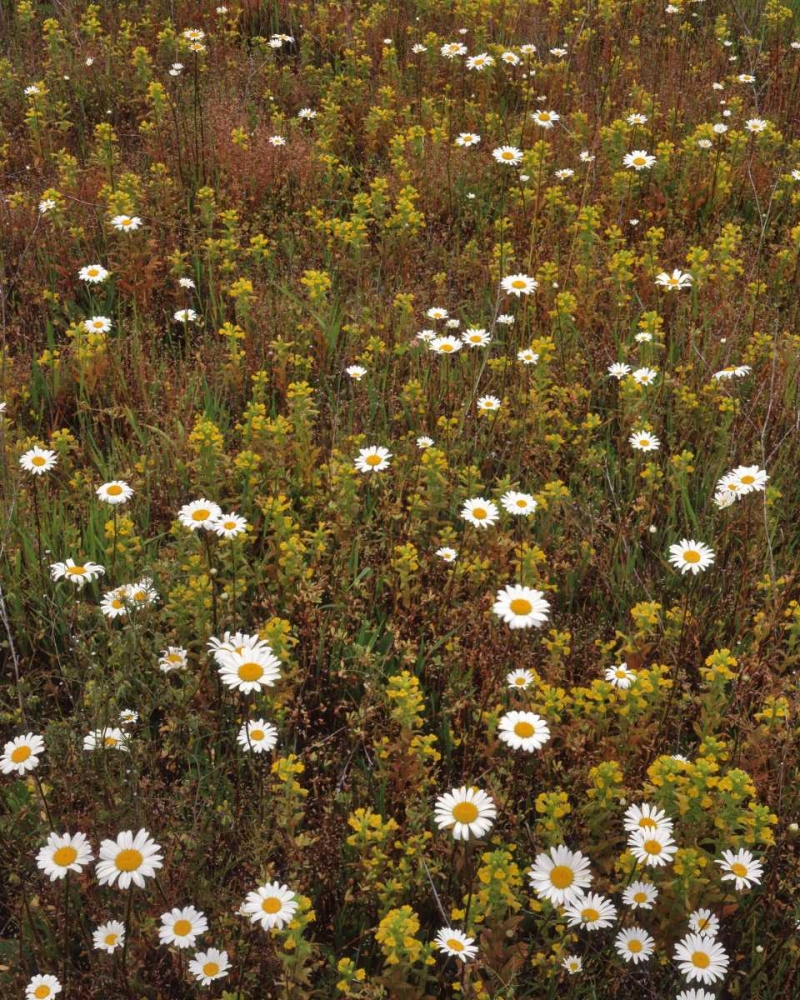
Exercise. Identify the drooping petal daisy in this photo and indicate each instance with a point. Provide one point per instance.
(38, 461)
(619, 370)
(523, 731)
(109, 738)
(634, 945)
(373, 459)
(521, 607)
(22, 754)
(640, 895)
(64, 852)
(468, 810)
(675, 281)
(249, 670)
(456, 943)
(560, 875)
(206, 966)
(182, 926)
(695, 995)
(701, 958)
(108, 937)
(271, 905)
(591, 911)
(130, 859)
(690, 556)
(257, 736)
(199, 514)
(741, 868)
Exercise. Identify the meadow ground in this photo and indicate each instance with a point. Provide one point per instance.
(399, 550)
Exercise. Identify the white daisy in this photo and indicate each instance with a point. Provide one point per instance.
(560, 875)
(249, 670)
(621, 676)
(521, 607)
(704, 922)
(108, 937)
(634, 945)
(206, 966)
(646, 817)
(108, 738)
(652, 847)
(64, 852)
(229, 525)
(271, 905)
(257, 736)
(373, 459)
(22, 754)
(42, 988)
(115, 492)
(523, 730)
(701, 958)
(468, 810)
(479, 512)
(741, 868)
(520, 679)
(519, 284)
(38, 461)
(199, 514)
(182, 927)
(518, 504)
(93, 274)
(172, 658)
(644, 441)
(77, 573)
(591, 911)
(640, 895)
(691, 556)
(456, 943)
(128, 859)
(508, 155)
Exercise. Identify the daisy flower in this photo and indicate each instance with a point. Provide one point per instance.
(452, 49)
(42, 988)
(618, 370)
(128, 717)
(475, 337)
(115, 492)
(38, 460)
(644, 376)
(508, 155)
(172, 658)
(644, 441)
(640, 895)
(560, 875)
(741, 868)
(258, 736)
(646, 817)
(488, 404)
(519, 284)
(126, 223)
(750, 478)
(199, 514)
(106, 739)
(64, 853)
(456, 943)
(271, 905)
(690, 556)
(206, 966)
(130, 859)
(634, 945)
(521, 607)
(249, 670)
(701, 958)
(652, 847)
(185, 316)
(373, 459)
(480, 512)
(469, 811)
(437, 312)
(467, 139)
(735, 371)
(704, 922)
(114, 603)
(523, 731)
(518, 504)
(22, 754)
(356, 372)
(695, 995)
(591, 911)
(97, 324)
(755, 125)
(108, 937)
(527, 356)
(675, 281)
(424, 442)
(93, 274)
(545, 119)
(446, 345)
(520, 679)
(480, 62)
(621, 676)
(77, 573)
(638, 160)
(573, 964)
(182, 926)
(449, 555)
(229, 525)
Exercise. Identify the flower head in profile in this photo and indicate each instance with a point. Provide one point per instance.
(373, 459)
(37, 461)
(675, 281)
(560, 875)
(521, 607)
(469, 811)
(741, 868)
(701, 958)
(78, 574)
(271, 905)
(456, 943)
(126, 223)
(523, 731)
(108, 738)
(64, 852)
(690, 556)
(128, 860)
(356, 372)
(109, 936)
(22, 754)
(182, 926)
(545, 119)
(185, 316)
(206, 966)
(619, 370)
(634, 945)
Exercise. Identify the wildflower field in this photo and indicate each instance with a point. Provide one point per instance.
(400, 545)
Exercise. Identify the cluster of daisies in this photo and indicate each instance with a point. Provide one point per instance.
(563, 878)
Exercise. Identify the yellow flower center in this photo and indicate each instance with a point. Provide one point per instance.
(646, 823)
(519, 681)
(652, 846)
(701, 960)
(524, 729)
(562, 876)
(128, 860)
(111, 939)
(250, 671)
(182, 928)
(702, 924)
(454, 944)
(521, 606)
(373, 459)
(640, 897)
(465, 812)
(271, 904)
(479, 513)
(111, 741)
(93, 272)
(201, 515)
(64, 856)
(41, 992)
(508, 156)
(20, 754)
(639, 161)
(519, 283)
(691, 556)
(210, 969)
(38, 460)
(522, 503)
(116, 604)
(590, 915)
(114, 490)
(76, 570)
(739, 869)
(621, 673)
(257, 734)
(229, 525)
(446, 348)
(644, 442)
(747, 480)
(635, 946)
